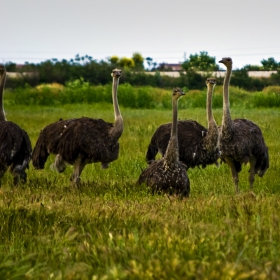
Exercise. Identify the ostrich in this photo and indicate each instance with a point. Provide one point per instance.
(15, 148)
(198, 146)
(81, 141)
(241, 140)
(168, 174)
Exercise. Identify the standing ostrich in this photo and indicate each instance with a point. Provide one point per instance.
(81, 141)
(241, 140)
(198, 146)
(168, 174)
(15, 148)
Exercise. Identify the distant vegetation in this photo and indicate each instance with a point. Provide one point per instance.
(80, 91)
(98, 72)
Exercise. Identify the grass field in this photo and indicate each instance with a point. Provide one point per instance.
(111, 229)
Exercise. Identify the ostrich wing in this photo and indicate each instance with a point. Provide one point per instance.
(89, 139)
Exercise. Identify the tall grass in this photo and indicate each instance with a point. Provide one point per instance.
(110, 228)
(146, 97)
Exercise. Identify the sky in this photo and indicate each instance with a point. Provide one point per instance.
(167, 31)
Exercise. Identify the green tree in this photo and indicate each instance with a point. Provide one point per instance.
(150, 62)
(270, 64)
(200, 62)
(126, 62)
(10, 66)
(114, 59)
(249, 67)
(138, 61)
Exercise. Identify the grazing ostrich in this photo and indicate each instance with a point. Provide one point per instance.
(198, 146)
(81, 141)
(15, 145)
(168, 174)
(241, 140)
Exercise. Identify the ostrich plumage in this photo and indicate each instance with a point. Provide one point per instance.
(81, 141)
(241, 140)
(198, 146)
(15, 145)
(168, 174)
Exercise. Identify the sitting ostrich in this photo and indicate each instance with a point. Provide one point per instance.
(241, 140)
(81, 141)
(15, 149)
(168, 174)
(198, 146)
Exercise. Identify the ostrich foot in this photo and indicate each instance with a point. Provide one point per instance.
(15, 180)
(217, 164)
(74, 180)
(58, 168)
(19, 175)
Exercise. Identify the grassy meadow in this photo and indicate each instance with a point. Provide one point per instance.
(110, 228)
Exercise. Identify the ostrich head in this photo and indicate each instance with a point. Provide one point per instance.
(211, 82)
(227, 61)
(177, 93)
(116, 73)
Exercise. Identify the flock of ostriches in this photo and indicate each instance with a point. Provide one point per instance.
(182, 144)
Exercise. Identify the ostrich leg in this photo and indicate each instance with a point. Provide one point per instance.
(234, 173)
(3, 169)
(78, 168)
(19, 175)
(59, 164)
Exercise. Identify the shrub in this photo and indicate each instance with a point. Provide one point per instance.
(268, 100)
(79, 91)
(271, 90)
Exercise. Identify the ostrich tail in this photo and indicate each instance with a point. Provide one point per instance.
(40, 154)
(151, 153)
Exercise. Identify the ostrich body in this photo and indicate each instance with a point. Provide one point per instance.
(81, 141)
(198, 146)
(15, 148)
(168, 174)
(241, 140)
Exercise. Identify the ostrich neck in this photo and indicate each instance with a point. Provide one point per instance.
(211, 139)
(172, 154)
(118, 124)
(226, 122)
(210, 117)
(2, 84)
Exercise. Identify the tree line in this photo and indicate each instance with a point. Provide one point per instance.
(97, 72)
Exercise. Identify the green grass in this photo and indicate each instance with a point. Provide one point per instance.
(112, 229)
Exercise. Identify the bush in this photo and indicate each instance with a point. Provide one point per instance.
(33, 96)
(79, 91)
(272, 89)
(268, 100)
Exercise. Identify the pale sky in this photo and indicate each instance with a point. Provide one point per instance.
(37, 30)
